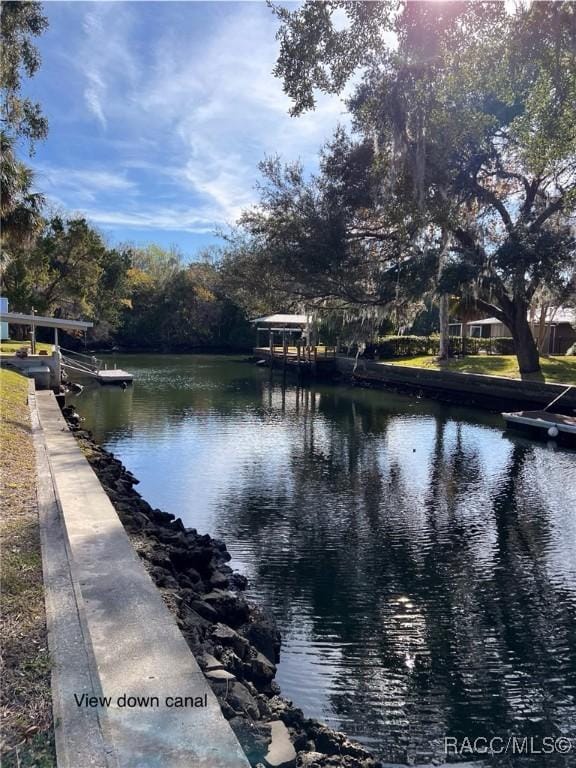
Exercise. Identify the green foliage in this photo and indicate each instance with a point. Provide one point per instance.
(318, 242)
(68, 271)
(19, 22)
(179, 308)
(390, 347)
(403, 346)
(158, 263)
(471, 114)
(314, 53)
(20, 207)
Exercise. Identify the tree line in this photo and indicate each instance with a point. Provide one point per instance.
(453, 192)
(60, 264)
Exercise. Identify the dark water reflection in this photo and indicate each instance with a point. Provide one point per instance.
(421, 566)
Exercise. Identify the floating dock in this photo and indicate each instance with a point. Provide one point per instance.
(115, 376)
(74, 363)
(544, 425)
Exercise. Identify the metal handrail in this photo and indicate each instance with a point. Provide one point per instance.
(94, 361)
(79, 365)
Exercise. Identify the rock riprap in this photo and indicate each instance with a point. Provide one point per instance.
(235, 643)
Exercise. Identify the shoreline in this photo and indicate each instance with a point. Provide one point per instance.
(235, 643)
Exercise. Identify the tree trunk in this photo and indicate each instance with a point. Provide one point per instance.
(542, 327)
(444, 302)
(526, 349)
(443, 307)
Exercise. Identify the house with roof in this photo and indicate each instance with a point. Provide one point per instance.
(559, 329)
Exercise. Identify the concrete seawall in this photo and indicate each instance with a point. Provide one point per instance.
(494, 392)
(111, 633)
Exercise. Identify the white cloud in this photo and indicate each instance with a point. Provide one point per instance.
(186, 114)
(82, 184)
(105, 55)
(93, 95)
(169, 219)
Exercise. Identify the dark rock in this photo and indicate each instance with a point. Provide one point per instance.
(162, 578)
(238, 581)
(205, 610)
(261, 668)
(299, 739)
(183, 559)
(190, 618)
(173, 538)
(218, 580)
(326, 740)
(227, 637)
(190, 579)
(241, 700)
(285, 711)
(159, 557)
(263, 708)
(274, 688)
(233, 663)
(262, 633)
(161, 517)
(227, 710)
(232, 609)
(254, 738)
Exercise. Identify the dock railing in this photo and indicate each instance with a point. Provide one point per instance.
(77, 361)
(302, 352)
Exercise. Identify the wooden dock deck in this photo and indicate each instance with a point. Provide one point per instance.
(318, 360)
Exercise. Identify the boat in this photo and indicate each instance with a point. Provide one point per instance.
(544, 425)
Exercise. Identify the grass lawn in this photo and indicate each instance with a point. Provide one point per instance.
(25, 699)
(556, 370)
(11, 347)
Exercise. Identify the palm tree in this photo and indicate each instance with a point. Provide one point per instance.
(20, 208)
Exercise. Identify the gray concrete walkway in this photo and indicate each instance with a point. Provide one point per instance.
(123, 641)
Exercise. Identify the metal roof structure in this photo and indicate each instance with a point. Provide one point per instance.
(280, 319)
(15, 318)
(553, 315)
(485, 321)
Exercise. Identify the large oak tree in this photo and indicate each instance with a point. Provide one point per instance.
(472, 112)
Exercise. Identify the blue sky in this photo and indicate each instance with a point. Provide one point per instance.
(159, 113)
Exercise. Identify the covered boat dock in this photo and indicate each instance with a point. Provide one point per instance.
(47, 368)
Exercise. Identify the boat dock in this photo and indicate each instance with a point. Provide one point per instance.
(80, 365)
(48, 369)
(544, 425)
(313, 360)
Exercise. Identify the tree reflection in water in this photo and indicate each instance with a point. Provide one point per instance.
(421, 566)
(392, 540)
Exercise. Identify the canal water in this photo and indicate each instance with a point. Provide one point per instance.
(420, 564)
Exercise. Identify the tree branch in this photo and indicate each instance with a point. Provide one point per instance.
(553, 208)
(490, 197)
